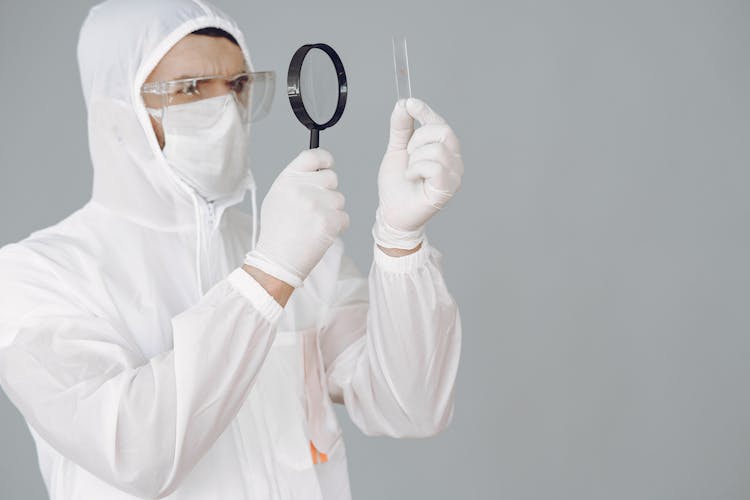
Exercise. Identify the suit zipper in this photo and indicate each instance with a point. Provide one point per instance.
(207, 226)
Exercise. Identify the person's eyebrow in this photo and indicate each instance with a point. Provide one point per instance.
(190, 76)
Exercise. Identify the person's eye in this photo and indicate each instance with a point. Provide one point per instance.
(192, 88)
(239, 84)
(189, 88)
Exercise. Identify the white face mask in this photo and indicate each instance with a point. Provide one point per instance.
(206, 143)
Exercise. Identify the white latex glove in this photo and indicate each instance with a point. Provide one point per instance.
(420, 172)
(300, 217)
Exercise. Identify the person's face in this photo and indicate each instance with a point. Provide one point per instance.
(194, 55)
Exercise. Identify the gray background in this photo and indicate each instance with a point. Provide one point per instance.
(598, 248)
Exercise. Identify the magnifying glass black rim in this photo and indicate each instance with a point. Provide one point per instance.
(295, 91)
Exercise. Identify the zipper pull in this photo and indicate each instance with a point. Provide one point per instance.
(211, 213)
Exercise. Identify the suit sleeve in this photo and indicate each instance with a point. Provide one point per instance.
(138, 424)
(391, 344)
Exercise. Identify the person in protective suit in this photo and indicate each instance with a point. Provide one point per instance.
(161, 344)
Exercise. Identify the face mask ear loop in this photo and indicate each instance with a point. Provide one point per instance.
(255, 216)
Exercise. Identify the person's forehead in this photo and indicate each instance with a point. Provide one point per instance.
(199, 55)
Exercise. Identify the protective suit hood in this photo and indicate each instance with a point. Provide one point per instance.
(121, 41)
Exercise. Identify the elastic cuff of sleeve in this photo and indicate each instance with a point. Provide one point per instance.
(256, 259)
(261, 300)
(405, 263)
(389, 237)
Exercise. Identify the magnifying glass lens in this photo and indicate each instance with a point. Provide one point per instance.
(319, 86)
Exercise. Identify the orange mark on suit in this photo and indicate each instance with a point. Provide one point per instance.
(317, 456)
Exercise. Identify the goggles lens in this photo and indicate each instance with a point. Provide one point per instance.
(252, 91)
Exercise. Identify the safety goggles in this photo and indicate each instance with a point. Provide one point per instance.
(253, 92)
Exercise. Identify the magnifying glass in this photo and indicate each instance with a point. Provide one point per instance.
(317, 88)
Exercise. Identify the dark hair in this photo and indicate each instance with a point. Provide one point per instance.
(216, 32)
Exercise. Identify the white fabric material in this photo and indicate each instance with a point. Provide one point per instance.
(147, 364)
(301, 217)
(420, 172)
(206, 142)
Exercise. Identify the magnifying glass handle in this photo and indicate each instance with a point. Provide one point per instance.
(314, 138)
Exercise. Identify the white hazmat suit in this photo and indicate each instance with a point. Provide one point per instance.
(148, 364)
